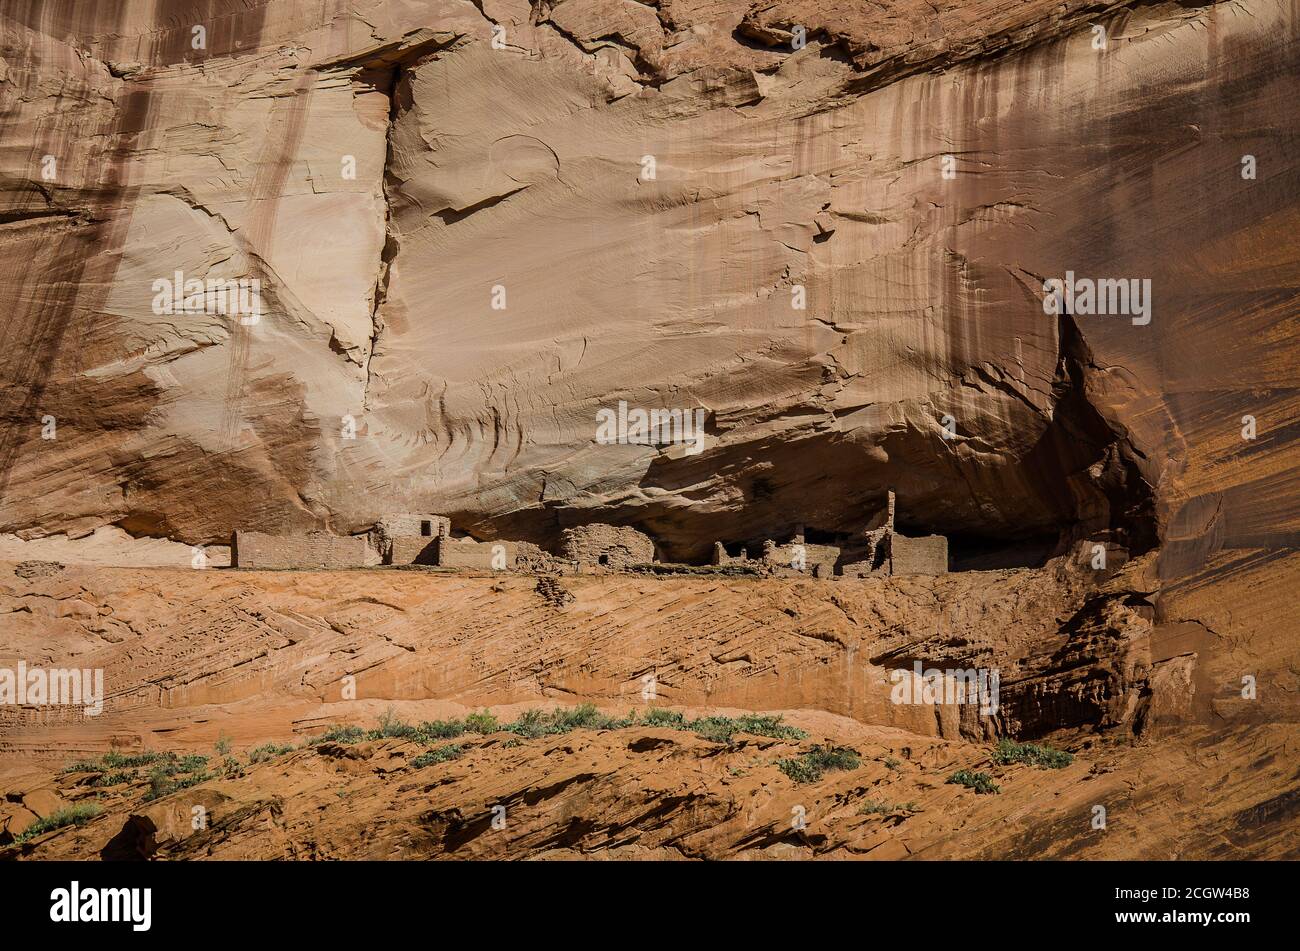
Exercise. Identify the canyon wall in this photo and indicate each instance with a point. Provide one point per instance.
(473, 226)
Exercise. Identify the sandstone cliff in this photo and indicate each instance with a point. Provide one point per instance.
(384, 169)
(468, 227)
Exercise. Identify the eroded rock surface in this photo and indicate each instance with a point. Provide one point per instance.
(383, 169)
(474, 226)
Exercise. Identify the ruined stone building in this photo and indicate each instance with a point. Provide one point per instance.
(425, 539)
(467, 553)
(927, 555)
(800, 555)
(721, 556)
(313, 550)
(400, 539)
(408, 538)
(611, 546)
(878, 550)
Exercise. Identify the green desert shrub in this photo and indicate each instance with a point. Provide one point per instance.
(721, 729)
(131, 760)
(665, 718)
(811, 765)
(115, 778)
(391, 727)
(534, 723)
(163, 783)
(980, 782)
(431, 731)
(441, 754)
(72, 815)
(339, 734)
(1044, 757)
(871, 807)
(268, 751)
(112, 761)
(117, 768)
(481, 722)
(531, 724)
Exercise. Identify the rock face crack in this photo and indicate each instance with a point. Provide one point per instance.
(388, 71)
(397, 83)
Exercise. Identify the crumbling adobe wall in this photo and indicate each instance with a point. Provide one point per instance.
(865, 569)
(615, 546)
(411, 550)
(721, 557)
(919, 556)
(530, 557)
(783, 556)
(314, 550)
(467, 553)
(409, 525)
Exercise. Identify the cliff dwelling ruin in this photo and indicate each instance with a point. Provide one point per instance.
(414, 539)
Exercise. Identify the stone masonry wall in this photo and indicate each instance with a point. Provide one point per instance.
(407, 525)
(412, 524)
(619, 544)
(919, 556)
(315, 550)
(411, 550)
(782, 556)
(449, 553)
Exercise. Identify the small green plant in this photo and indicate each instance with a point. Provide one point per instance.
(722, 729)
(441, 754)
(163, 783)
(530, 724)
(115, 778)
(431, 730)
(111, 761)
(390, 726)
(339, 734)
(131, 760)
(117, 768)
(980, 782)
(171, 773)
(884, 808)
(222, 745)
(268, 751)
(891, 763)
(482, 722)
(666, 718)
(1044, 757)
(535, 723)
(75, 814)
(170, 764)
(812, 764)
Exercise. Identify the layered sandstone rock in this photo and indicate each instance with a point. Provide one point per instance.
(436, 241)
(646, 192)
